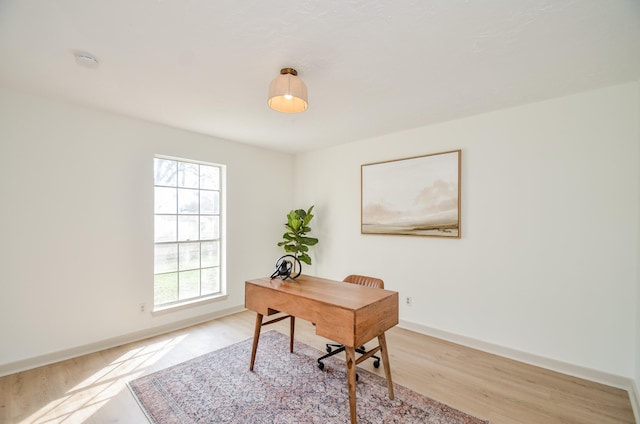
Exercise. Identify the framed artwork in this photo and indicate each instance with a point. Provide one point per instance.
(416, 196)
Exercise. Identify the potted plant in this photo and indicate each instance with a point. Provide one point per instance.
(296, 242)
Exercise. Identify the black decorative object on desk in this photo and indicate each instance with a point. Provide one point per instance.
(284, 268)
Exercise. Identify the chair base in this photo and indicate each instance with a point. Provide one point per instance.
(340, 348)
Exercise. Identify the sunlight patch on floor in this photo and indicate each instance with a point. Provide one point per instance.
(87, 397)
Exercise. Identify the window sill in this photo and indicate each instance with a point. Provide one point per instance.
(161, 310)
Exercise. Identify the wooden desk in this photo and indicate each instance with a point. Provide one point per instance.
(348, 314)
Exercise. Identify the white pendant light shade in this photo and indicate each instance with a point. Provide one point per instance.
(287, 93)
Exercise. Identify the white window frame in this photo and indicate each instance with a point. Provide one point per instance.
(179, 241)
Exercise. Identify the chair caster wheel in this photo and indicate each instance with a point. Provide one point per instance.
(376, 364)
(357, 377)
(328, 349)
(320, 365)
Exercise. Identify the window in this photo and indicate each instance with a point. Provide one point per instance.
(187, 229)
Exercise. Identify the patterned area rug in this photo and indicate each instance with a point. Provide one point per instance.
(284, 388)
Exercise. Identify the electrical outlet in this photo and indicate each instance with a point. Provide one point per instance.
(408, 301)
(143, 307)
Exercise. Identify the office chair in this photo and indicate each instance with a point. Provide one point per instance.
(361, 280)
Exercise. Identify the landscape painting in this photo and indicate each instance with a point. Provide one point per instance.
(417, 196)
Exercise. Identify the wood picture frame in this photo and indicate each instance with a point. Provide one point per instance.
(415, 196)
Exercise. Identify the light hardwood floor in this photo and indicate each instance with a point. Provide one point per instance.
(92, 388)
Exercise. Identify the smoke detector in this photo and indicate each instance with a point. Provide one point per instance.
(86, 59)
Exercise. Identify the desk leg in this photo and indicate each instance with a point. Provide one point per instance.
(256, 337)
(385, 361)
(292, 327)
(351, 381)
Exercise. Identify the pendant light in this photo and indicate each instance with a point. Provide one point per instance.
(287, 93)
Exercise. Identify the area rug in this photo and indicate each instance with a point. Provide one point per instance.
(284, 388)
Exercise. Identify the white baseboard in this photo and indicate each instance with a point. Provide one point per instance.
(613, 380)
(634, 396)
(50, 358)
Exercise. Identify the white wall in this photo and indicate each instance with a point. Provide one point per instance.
(76, 188)
(547, 263)
(637, 332)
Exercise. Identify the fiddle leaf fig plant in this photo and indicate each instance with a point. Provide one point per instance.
(296, 241)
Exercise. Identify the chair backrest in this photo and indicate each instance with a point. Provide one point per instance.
(363, 280)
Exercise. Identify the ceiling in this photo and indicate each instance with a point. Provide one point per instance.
(372, 67)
